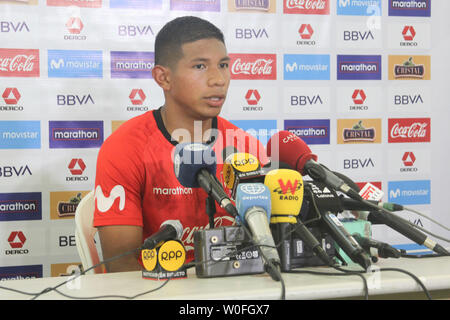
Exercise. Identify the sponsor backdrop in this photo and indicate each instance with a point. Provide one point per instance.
(363, 82)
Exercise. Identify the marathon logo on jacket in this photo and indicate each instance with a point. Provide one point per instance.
(253, 66)
(410, 8)
(195, 5)
(311, 131)
(409, 130)
(75, 64)
(20, 206)
(19, 63)
(75, 134)
(130, 64)
(356, 67)
(306, 7)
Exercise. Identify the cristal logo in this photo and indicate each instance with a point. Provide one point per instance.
(11, 96)
(306, 31)
(137, 97)
(105, 203)
(16, 239)
(359, 96)
(408, 33)
(252, 97)
(408, 159)
(253, 66)
(74, 25)
(77, 166)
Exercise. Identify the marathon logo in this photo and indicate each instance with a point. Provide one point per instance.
(410, 8)
(354, 67)
(76, 134)
(311, 131)
(20, 206)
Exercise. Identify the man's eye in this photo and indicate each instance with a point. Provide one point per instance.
(200, 66)
(224, 65)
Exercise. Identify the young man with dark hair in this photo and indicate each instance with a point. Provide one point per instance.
(136, 188)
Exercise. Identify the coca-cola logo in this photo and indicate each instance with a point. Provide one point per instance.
(409, 130)
(306, 6)
(253, 66)
(19, 63)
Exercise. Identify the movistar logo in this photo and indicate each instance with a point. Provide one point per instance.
(105, 203)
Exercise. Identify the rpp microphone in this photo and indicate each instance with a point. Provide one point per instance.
(295, 152)
(195, 166)
(241, 167)
(169, 230)
(287, 188)
(254, 207)
(377, 248)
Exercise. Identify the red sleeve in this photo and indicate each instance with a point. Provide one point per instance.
(118, 184)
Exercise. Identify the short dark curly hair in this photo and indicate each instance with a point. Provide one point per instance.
(179, 31)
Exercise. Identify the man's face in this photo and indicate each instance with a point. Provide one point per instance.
(200, 79)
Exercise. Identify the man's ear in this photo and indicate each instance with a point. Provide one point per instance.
(162, 77)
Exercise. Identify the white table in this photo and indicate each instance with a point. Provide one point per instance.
(433, 272)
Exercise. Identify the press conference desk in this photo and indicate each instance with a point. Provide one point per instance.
(433, 272)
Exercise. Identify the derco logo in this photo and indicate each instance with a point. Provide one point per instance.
(253, 98)
(137, 98)
(11, 96)
(16, 241)
(76, 168)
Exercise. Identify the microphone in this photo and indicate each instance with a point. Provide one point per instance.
(377, 248)
(195, 166)
(350, 204)
(241, 167)
(402, 226)
(296, 153)
(325, 200)
(287, 189)
(169, 230)
(254, 207)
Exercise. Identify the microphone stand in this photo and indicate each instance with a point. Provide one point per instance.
(210, 210)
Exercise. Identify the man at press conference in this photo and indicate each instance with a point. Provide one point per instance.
(136, 189)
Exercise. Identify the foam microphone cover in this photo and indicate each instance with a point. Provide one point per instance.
(249, 195)
(189, 159)
(291, 150)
